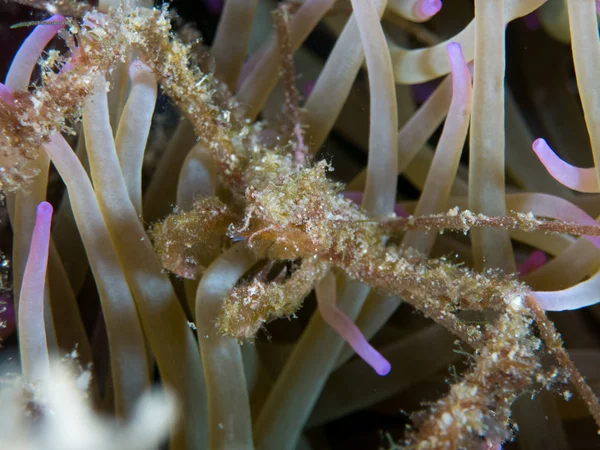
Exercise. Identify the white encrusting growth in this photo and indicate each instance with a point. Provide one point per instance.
(66, 420)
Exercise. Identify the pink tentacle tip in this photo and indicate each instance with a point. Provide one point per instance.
(346, 328)
(425, 9)
(44, 211)
(460, 70)
(41, 231)
(455, 54)
(452, 49)
(576, 178)
(353, 336)
(383, 367)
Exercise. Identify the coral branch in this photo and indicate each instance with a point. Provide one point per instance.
(292, 97)
(479, 405)
(553, 343)
(465, 220)
(295, 218)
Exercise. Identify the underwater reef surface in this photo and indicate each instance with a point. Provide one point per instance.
(312, 224)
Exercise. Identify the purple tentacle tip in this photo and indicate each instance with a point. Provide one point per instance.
(425, 9)
(345, 327)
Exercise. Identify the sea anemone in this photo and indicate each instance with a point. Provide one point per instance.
(215, 235)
